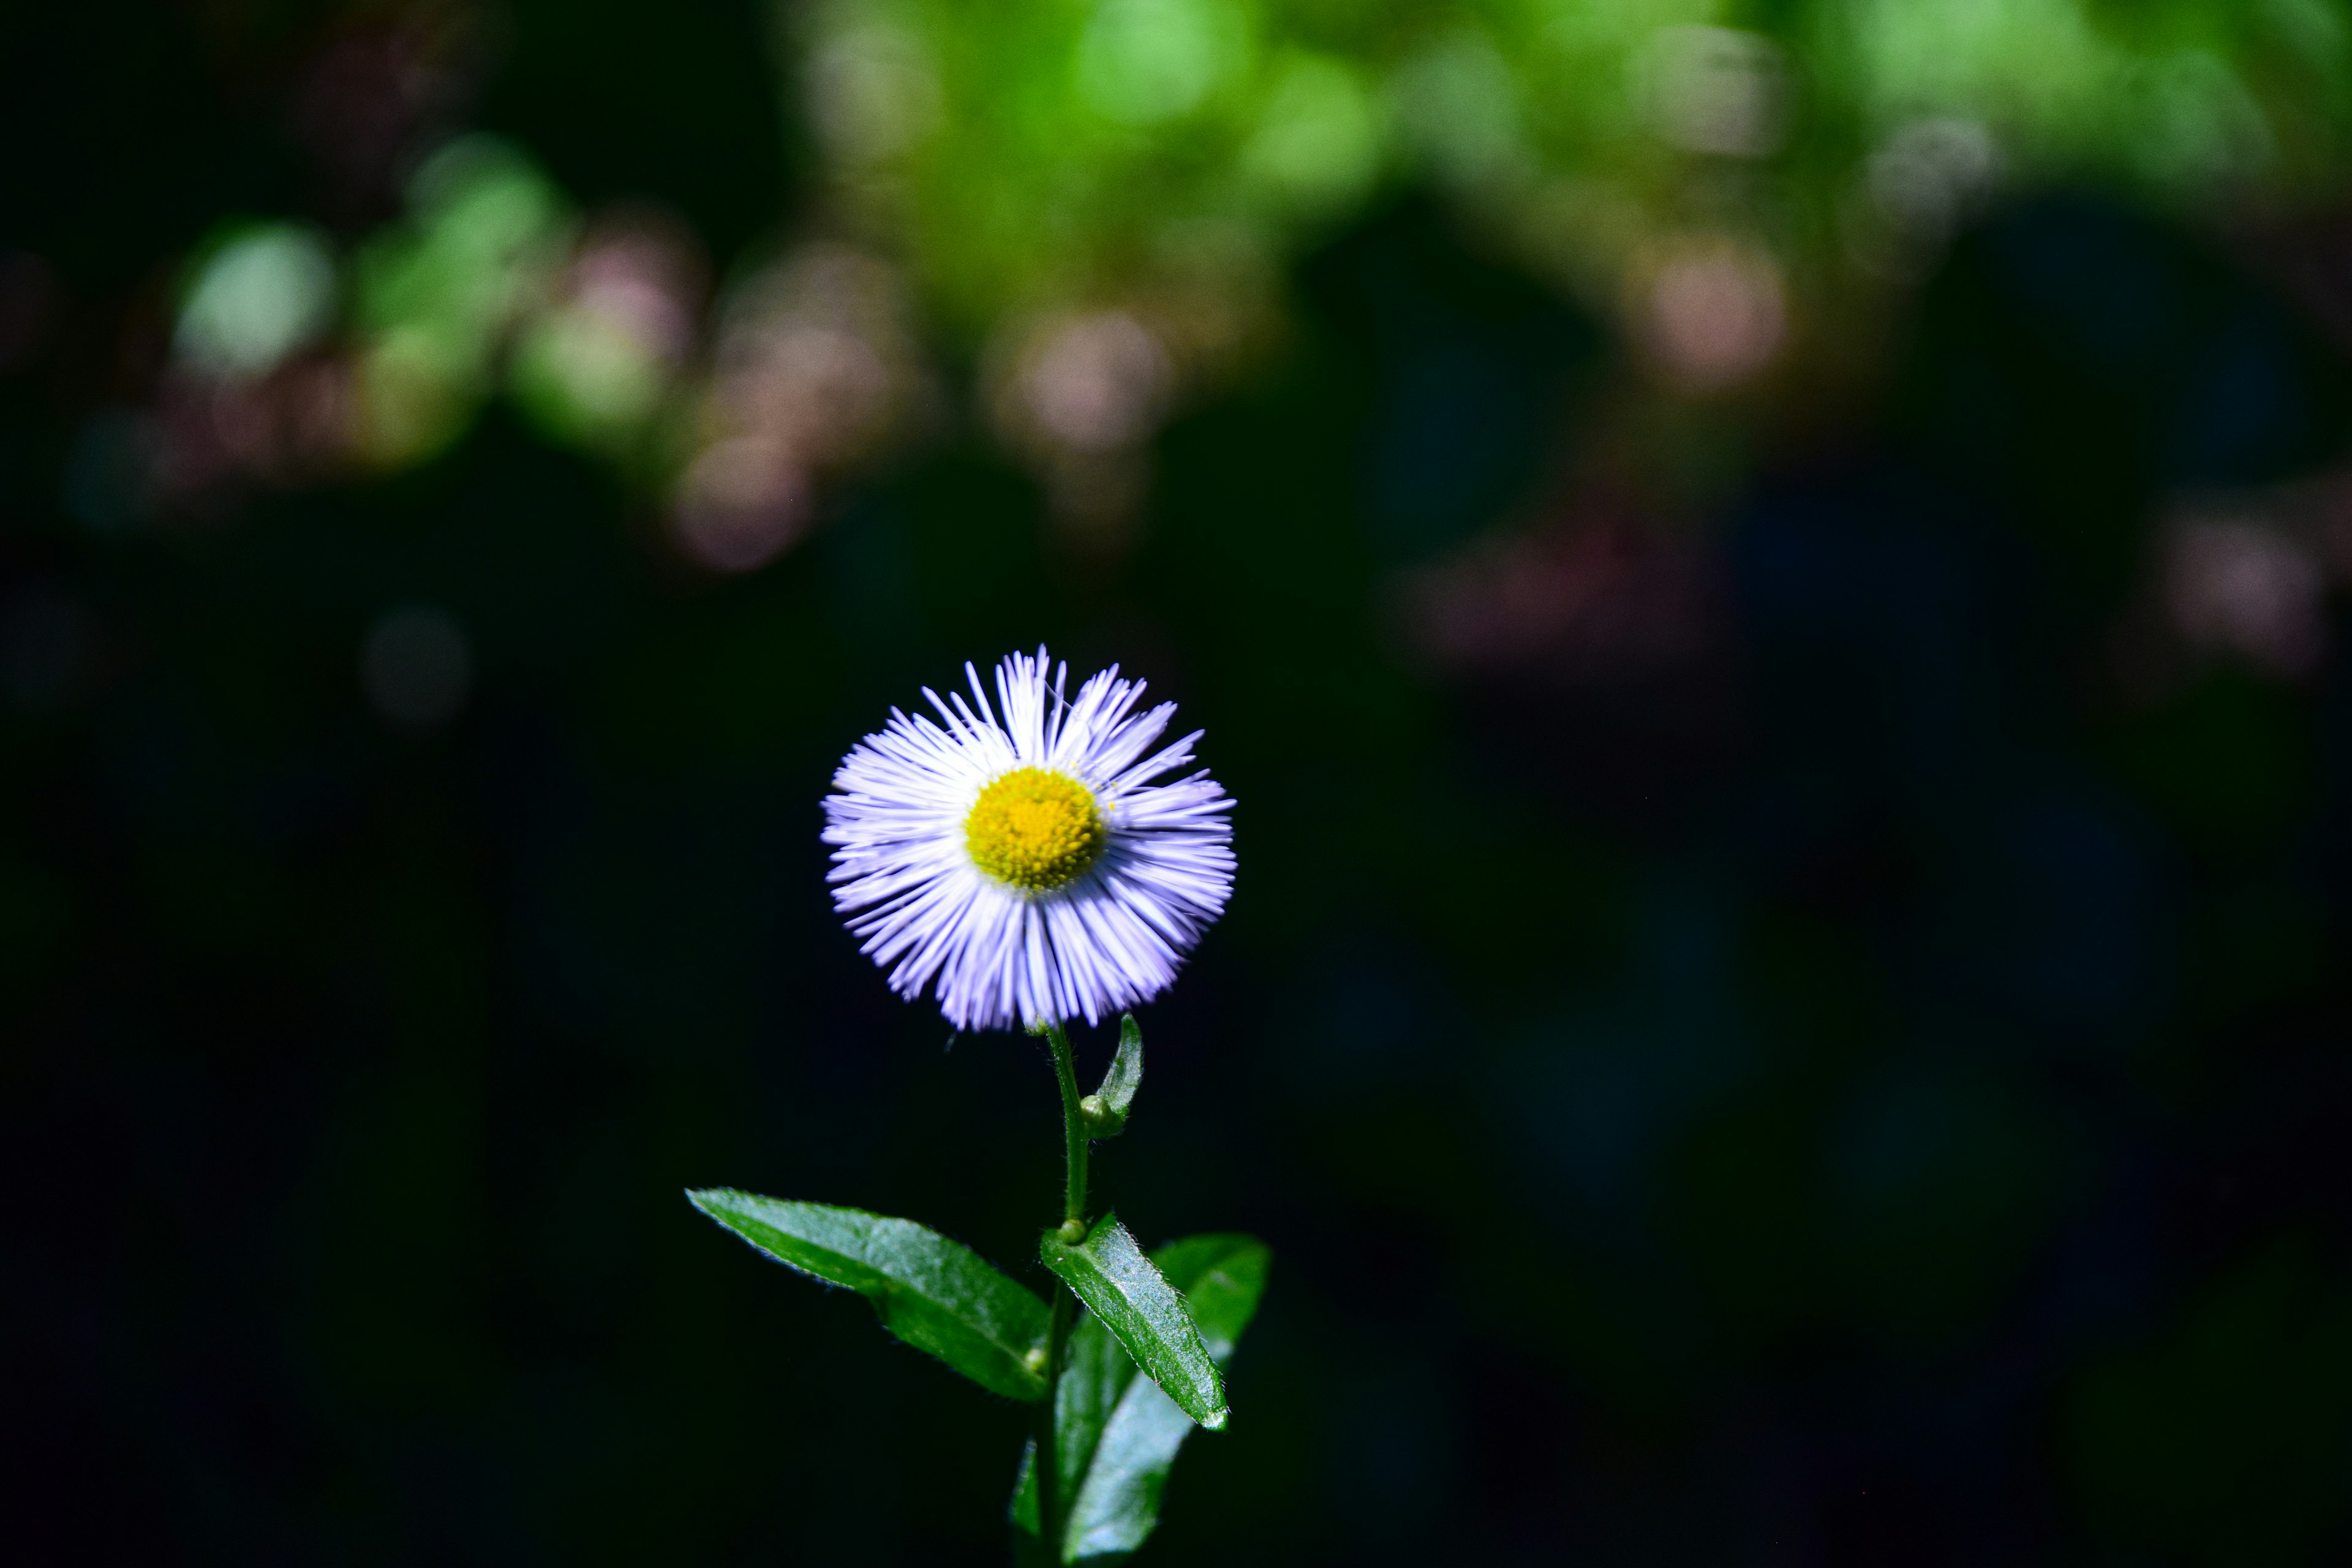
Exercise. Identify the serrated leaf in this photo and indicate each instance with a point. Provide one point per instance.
(1106, 1108)
(1121, 1285)
(1115, 1464)
(936, 1294)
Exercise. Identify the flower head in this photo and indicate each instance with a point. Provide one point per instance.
(1022, 857)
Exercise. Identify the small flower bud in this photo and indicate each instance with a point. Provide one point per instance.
(1035, 1360)
(1072, 1232)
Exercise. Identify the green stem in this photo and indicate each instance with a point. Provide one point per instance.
(1073, 1125)
(1050, 1525)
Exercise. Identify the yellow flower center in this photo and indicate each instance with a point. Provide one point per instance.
(1035, 830)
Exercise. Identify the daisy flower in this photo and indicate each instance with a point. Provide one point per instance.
(1021, 856)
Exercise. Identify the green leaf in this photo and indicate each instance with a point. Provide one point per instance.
(1118, 1433)
(1094, 1374)
(1106, 1109)
(1119, 1284)
(1117, 1507)
(1222, 1275)
(938, 1295)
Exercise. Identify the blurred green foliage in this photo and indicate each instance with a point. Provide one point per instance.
(436, 294)
(1046, 151)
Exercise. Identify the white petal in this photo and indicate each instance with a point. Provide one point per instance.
(994, 957)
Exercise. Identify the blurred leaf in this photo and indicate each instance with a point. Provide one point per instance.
(1118, 1433)
(1021, 1514)
(938, 1295)
(1106, 1109)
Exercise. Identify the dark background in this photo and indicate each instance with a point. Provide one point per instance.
(1809, 1066)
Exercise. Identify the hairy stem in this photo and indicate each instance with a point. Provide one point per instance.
(1073, 1125)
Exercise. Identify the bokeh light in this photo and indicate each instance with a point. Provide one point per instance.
(1717, 311)
(815, 368)
(2240, 587)
(261, 293)
(439, 294)
(596, 365)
